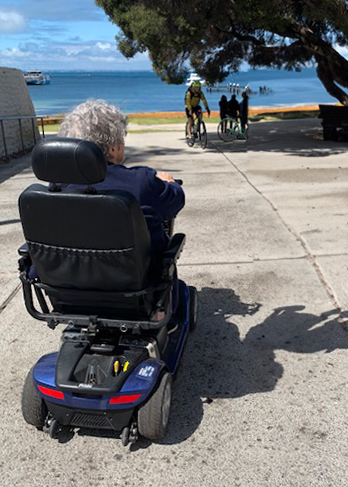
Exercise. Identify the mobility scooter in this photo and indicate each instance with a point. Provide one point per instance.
(87, 264)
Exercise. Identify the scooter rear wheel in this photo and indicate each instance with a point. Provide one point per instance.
(153, 416)
(33, 407)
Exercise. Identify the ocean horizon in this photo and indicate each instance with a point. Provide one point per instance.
(144, 92)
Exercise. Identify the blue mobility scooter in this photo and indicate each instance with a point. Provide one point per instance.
(122, 342)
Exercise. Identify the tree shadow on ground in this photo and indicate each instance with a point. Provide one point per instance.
(14, 166)
(145, 155)
(301, 138)
(218, 363)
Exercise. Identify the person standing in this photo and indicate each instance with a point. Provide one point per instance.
(244, 109)
(233, 107)
(223, 104)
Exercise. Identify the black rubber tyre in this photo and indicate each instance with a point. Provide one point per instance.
(193, 308)
(54, 429)
(153, 416)
(33, 407)
(225, 131)
(190, 142)
(125, 436)
(203, 135)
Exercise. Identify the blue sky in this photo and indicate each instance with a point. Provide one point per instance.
(60, 35)
(63, 35)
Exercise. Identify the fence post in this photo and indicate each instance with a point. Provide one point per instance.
(20, 129)
(42, 126)
(3, 138)
(33, 126)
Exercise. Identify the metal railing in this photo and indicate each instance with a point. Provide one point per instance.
(20, 118)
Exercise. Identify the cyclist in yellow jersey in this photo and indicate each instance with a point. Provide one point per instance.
(193, 96)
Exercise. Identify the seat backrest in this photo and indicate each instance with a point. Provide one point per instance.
(78, 239)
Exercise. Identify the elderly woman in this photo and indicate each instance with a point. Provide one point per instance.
(159, 196)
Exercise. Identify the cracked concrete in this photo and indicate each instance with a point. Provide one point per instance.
(260, 397)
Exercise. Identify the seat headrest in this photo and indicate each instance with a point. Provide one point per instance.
(65, 160)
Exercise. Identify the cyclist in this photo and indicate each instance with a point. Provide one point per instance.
(193, 96)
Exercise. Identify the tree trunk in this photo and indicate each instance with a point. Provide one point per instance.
(332, 67)
(326, 77)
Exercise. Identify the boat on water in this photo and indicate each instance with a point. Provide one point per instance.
(194, 77)
(36, 78)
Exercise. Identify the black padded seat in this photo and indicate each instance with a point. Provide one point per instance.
(87, 247)
(81, 241)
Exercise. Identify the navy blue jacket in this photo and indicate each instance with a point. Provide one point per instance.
(158, 199)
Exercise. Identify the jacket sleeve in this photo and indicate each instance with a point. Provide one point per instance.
(188, 100)
(204, 101)
(167, 198)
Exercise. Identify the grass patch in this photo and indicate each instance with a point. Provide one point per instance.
(169, 120)
(267, 116)
(53, 127)
(289, 115)
(149, 131)
(156, 120)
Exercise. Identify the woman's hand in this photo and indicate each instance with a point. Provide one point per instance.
(165, 177)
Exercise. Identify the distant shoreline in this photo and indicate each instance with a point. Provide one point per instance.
(50, 119)
(215, 113)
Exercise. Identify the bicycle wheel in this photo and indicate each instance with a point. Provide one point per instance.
(190, 141)
(203, 138)
(226, 129)
(237, 130)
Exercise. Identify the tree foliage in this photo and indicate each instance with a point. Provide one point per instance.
(215, 37)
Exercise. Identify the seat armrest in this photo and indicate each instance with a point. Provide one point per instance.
(174, 247)
(172, 254)
(23, 250)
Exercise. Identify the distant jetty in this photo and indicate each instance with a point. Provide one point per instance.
(230, 87)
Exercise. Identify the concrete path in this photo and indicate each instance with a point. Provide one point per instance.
(262, 392)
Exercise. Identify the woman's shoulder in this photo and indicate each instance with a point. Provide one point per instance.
(136, 172)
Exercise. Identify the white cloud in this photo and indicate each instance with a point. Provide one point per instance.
(92, 55)
(13, 53)
(11, 22)
(103, 45)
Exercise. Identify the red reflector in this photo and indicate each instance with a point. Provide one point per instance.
(51, 392)
(124, 399)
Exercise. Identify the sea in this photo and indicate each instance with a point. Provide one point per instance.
(144, 91)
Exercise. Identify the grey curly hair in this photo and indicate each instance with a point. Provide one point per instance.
(96, 121)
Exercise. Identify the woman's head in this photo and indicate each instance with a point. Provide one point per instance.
(223, 98)
(98, 122)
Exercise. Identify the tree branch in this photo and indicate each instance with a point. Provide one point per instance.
(325, 76)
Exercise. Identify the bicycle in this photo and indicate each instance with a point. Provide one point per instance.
(230, 129)
(198, 132)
